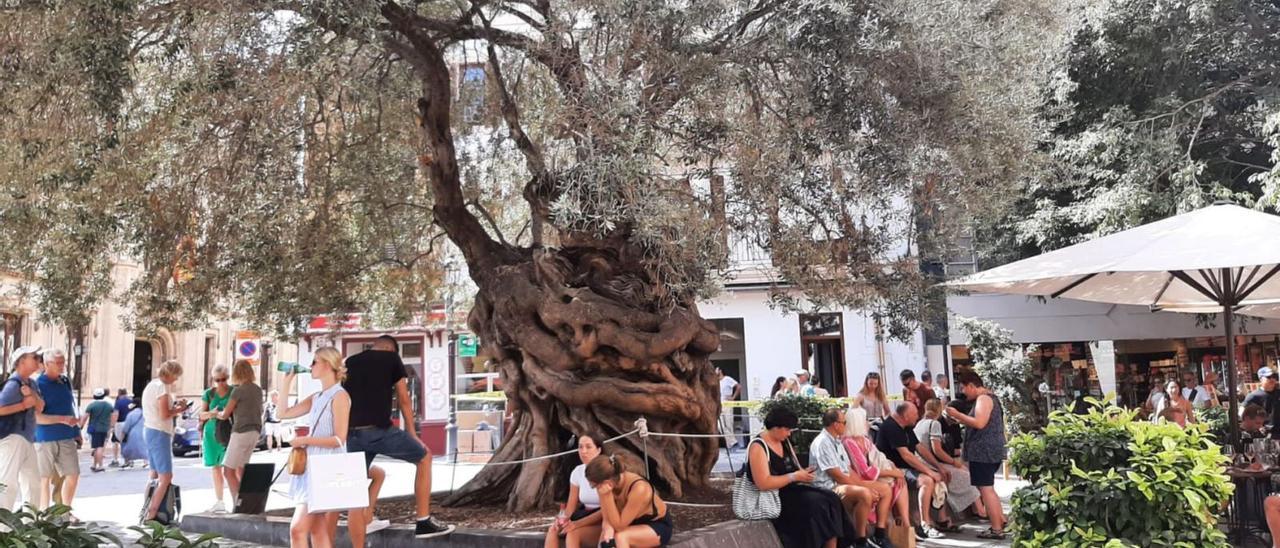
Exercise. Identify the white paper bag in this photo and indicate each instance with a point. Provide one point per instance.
(337, 482)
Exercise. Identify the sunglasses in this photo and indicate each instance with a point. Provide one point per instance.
(223, 379)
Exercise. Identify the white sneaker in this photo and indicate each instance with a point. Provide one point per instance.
(217, 508)
(376, 525)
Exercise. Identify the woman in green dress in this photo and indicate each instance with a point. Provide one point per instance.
(214, 400)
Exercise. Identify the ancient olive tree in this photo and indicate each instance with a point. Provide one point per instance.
(591, 162)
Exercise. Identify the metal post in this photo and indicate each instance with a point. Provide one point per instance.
(1228, 315)
(451, 437)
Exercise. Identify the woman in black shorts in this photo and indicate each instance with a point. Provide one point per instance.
(634, 515)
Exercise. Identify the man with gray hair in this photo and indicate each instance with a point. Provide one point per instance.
(57, 429)
(897, 440)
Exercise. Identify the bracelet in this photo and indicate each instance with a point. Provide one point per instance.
(792, 477)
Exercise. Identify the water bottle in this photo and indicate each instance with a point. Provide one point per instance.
(561, 519)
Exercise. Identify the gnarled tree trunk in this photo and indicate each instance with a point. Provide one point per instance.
(586, 345)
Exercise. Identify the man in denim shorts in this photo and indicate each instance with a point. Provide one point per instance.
(372, 376)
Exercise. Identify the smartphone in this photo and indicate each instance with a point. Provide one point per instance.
(291, 367)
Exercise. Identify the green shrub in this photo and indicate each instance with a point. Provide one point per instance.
(49, 529)
(1108, 479)
(809, 410)
(155, 535)
(1215, 421)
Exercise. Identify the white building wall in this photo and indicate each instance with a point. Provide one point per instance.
(772, 341)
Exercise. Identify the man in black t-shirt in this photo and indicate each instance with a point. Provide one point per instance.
(1267, 395)
(898, 442)
(373, 376)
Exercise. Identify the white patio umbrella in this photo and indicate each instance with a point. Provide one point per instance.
(1222, 258)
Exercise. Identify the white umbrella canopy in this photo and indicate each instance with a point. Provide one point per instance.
(1222, 258)
(1176, 264)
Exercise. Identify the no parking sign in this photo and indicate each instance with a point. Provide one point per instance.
(247, 346)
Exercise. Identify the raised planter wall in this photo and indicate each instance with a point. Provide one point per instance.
(274, 531)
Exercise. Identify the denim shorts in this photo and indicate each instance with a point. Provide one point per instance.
(159, 450)
(391, 442)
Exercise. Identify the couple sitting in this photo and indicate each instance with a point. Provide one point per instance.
(609, 506)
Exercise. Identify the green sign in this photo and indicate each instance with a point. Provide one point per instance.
(467, 346)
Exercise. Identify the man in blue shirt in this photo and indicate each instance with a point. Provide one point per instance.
(123, 405)
(56, 431)
(19, 403)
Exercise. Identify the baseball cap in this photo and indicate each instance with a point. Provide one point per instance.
(1267, 372)
(21, 351)
(99, 393)
(801, 372)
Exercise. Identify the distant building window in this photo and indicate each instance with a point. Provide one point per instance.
(471, 93)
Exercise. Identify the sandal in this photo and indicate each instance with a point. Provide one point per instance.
(991, 534)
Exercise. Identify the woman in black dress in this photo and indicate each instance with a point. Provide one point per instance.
(811, 517)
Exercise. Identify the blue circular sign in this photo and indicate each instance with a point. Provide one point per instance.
(248, 348)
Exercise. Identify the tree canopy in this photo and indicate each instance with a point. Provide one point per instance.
(267, 159)
(1163, 107)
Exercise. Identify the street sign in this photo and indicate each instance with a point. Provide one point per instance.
(467, 346)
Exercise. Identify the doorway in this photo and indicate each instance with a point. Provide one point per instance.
(142, 362)
(822, 350)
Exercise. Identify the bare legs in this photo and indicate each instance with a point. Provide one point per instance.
(162, 486)
(217, 483)
(995, 512)
(422, 486)
(306, 527)
(233, 477)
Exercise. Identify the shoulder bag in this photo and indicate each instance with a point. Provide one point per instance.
(297, 464)
(749, 502)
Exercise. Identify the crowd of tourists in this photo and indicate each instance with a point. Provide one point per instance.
(42, 431)
(879, 463)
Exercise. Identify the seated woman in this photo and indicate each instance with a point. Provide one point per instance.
(634, 515)
(132, 447)
(870, 464)
(580, 525)
(960, 494)
(811, 517)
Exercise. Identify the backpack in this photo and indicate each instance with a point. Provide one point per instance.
(17, 422)
(170, 508)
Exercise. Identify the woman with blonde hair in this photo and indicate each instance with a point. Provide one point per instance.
(213, 402)
(872, 397)
(327, 412)
(960, 493)
(244, 410)
(870, 464)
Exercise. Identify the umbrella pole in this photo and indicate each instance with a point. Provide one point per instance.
(1233, 415)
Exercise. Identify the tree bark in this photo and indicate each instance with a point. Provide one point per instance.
(584, 345)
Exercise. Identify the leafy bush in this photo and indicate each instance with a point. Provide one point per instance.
(809, 410)
(1215, 421)
(155, 535)
(1005, 370)
(1109, 479)
(49, 529)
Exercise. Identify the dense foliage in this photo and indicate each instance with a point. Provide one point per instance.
(155, 535)
(49, 529)
(1007, 370)
(1107, 478)
(1161, 108)
(266, 160)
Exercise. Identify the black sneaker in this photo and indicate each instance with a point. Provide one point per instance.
(880, 542)
(429, 527)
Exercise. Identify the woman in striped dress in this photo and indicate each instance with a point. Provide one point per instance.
(327, 411)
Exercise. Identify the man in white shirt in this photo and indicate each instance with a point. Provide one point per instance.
(1200, 396)
(729, 391)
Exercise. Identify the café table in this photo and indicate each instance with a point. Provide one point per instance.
(1245, 517)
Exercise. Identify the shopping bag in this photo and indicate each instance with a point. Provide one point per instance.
(338, 481)
(901, 535)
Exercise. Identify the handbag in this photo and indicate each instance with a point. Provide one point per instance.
(749, 502)
(297, 464)
(222, 431)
